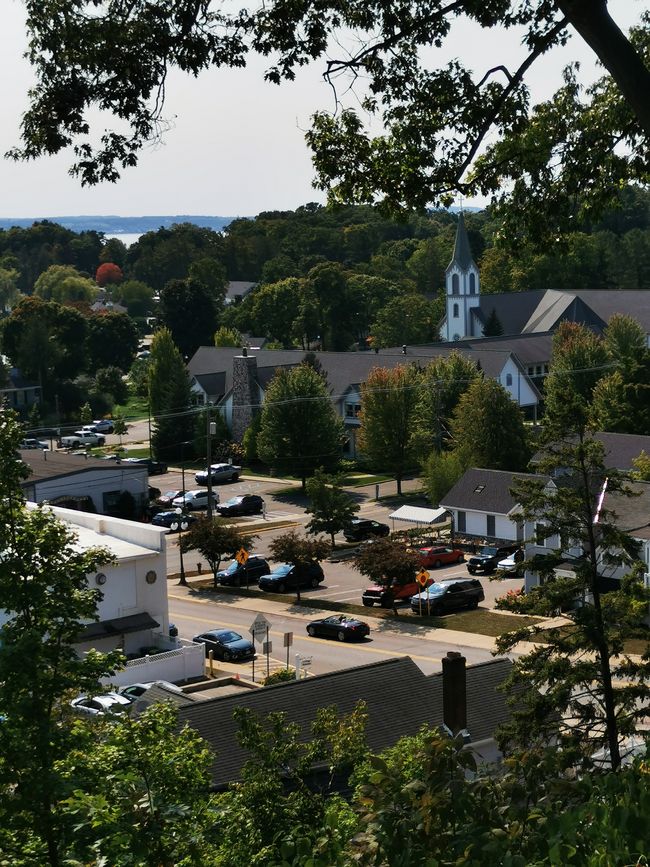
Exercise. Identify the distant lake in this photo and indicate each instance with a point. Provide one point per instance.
(127, 238)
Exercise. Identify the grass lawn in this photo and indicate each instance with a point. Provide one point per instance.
(135, 409)
(358, 480)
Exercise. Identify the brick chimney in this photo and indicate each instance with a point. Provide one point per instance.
(245, 393)
(454, 692)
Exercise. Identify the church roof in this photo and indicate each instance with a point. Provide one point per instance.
(462, 252)
(514, 309)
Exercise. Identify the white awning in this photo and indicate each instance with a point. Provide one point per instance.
(419, 515)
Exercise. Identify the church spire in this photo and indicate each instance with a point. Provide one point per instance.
(462, 253)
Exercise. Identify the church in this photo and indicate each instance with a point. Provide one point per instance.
(469, 314)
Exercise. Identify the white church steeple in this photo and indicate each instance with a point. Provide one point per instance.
(462, 288)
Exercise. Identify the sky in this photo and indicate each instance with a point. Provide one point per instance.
(236, 146)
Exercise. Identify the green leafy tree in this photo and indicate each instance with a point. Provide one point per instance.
(139, 377)
(46, 600)
(407, 318)
(86, 413)
(488, 428)
(135, 295)
(228, 337)
(332, 507)
(275, 306)
(581, 687)
(120, 427)
(109, 380)
(299, 428)
(9, 292)
(295, 549)
(215, 539)
(113, 250)
(386, 562)
(641, 465)
(441, 472)
(212, 274)
(389, 400)
(169, 398)
(64, 283)
(112, 341)
(190, 312)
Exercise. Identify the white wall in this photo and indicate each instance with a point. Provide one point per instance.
(476, 525)
(182, 663)
(93, 483)
(519, 388)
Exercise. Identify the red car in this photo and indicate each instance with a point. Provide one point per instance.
(439, 555)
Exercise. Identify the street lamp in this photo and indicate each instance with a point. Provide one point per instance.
(183, 581)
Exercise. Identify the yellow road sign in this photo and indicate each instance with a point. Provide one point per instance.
(241, 556)
(422, 577)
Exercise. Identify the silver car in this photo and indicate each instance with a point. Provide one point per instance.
(192, 500)
(218, 473)
(108, 703)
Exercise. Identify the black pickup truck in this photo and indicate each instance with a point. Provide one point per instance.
(486, 559)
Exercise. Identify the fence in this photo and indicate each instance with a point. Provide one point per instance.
(182, 663)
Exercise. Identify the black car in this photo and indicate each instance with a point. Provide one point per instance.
(173, 521)
(288, 577)
(250, 573)
(487, 558)
(247, 504)
(448, 595)
(226, 644)
(360, 529)
(339, 626)
(154, 468)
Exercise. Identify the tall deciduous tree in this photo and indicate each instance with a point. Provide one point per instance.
(407, 318)
(387, 562)
(389, 400)
(112, 341)
(488, 428)
(46, 600)
(64, 283)
(189, 310)
(299, 428)
(215, 539)
(108, 273)
(169, 398)
(332, 507)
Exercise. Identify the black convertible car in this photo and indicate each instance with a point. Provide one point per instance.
(339, 626)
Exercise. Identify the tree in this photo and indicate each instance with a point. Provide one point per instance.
(139, 376)
(581, 687)
(294, 549)
(47, 600)
(113, 250)
(427, 148)
(441, 472)
(212, 274)
(276, 306)
(108, 273)
(407, 318)
(112, 341)
(86, 413)
(135, 295)
(63, 283)
(228, 337)
(9, 292)
(488, 428)
(332, 508)
(387, 562)
(493, 326)
(120, 427)
(169, 398)
(389, 399)
(109, 380)
(189, 310)
(299, 427)
(215, 539)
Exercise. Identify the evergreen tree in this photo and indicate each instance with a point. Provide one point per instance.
(332, 508)
(299, 427)
(169, 398)
(493, 326)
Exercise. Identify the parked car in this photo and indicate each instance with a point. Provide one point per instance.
(250, 573)
(167, 497)
(487, 558)
(109, 702)
(101, 425)
(388, 595)
(511, 565)
(360, 529)
(440, 555)
(226, 644)
(30, 443)
(289, 577)
(450, 595)
(135, 690)
(339, 626)
(173, 521)
(246, 504)
(193, 500)
(218, 473)
(82, 438)
(154, 468)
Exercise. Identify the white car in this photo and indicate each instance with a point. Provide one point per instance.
(82, 438)
(218, 473)
(135, 690)
(192, 500)
(511, 565)
(109, 702)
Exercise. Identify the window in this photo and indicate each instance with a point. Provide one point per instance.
(455, 284)
(479, 489)
(472, 284)
(491, 525)
(540, 537)
(352, 410)
(538, 370)
(455, 313)
(461, 522)
(508, 379)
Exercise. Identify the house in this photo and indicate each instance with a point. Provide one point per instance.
(19, 393)
(535, 312)
(399, 700)
(236, 290)
(483, 507)
(133, 610)
(237, 382)
(80, 481)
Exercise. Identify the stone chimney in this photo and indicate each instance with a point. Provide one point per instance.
(245, 394)
(454, 693)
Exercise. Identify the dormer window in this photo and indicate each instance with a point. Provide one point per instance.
(508, 379)
(455, 284)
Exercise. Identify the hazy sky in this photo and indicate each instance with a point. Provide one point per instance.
(237, 143)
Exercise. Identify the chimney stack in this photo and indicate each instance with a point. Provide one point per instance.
(454, 692)
(245, 394)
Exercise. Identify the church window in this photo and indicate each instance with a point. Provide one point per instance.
(508, 379)
(472, 284)
(455, 284)
(455, 313)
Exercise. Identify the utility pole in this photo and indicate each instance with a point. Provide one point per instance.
(210, 430)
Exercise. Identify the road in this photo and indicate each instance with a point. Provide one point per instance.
(193, 613)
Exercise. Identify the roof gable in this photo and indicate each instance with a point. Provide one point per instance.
(480, 490)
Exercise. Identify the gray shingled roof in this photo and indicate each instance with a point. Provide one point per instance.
(480, 490)
(527, 348)
(462, 255)
(606, 303)
(632, 514)
(52, 465)
(513, 309)
(621, 449)
(238, 288)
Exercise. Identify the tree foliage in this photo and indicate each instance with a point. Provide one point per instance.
(386, 562)
(108, 273)
(215, 539)
(295, 549)
(169, 398)
(64, 283)
(188, 309)
(332, 508)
